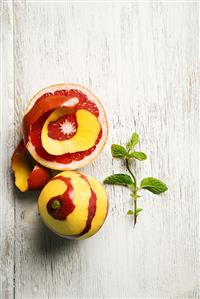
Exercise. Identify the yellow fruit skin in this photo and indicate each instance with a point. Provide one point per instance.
(76, 221)
(85, 137)
(102, 207)
(22, 170)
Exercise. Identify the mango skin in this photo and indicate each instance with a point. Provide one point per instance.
(85, 137)
(21, 167)
(75, 222)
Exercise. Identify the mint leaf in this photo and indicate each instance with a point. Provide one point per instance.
(119, 179)
(130, 212)
(133, 141)
(138, 155)
(137, 211)
(118, 151)
(153, 185)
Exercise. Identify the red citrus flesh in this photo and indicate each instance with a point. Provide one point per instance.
(38, 177)
(63, 128)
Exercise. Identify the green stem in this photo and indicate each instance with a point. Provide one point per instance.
(135, 209)
(55, 204)
(134, 191)
(133, 176)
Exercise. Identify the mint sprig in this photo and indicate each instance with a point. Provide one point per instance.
(151, 184)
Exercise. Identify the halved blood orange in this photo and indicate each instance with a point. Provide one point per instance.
(65, 126)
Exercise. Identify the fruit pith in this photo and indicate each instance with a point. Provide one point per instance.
(65, 127)
(73, 205)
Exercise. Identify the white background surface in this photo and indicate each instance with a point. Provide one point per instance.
(141, 60)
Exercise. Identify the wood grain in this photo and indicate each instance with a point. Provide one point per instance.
(141, 59)
(7, 200)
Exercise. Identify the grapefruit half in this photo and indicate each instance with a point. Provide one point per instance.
(65, 126)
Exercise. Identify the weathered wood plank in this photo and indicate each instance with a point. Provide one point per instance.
(7, 202)
(141, 59)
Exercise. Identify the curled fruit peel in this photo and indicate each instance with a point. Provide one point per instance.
(27, 175)
(86, 136)
(21, 167)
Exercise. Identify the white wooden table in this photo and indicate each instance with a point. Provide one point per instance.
(141, 60)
